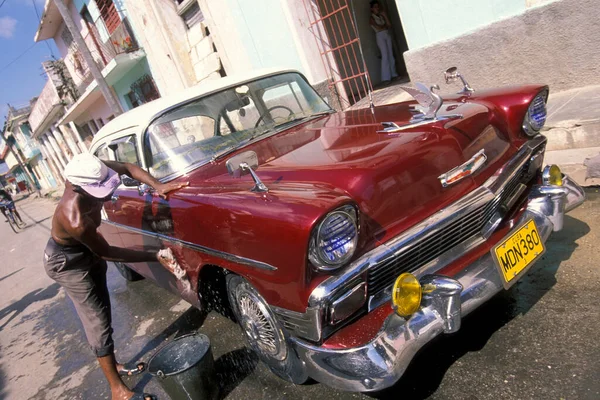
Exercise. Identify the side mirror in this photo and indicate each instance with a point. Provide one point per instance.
(451, 75)
(246, 163)
(129, 182)
(235, 165)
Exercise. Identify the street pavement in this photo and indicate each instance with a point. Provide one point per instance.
(539, 340)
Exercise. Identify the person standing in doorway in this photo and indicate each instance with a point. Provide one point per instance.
(381, 25)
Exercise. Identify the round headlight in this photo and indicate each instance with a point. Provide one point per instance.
(334, 239)
(536, 115)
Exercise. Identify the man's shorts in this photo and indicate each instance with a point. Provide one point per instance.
(83, 276)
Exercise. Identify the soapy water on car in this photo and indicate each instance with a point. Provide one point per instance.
(175, 268)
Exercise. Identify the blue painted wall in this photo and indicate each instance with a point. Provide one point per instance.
(263, 28)
(429, 21)
(123, 86)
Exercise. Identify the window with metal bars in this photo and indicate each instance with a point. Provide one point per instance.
(109, 14)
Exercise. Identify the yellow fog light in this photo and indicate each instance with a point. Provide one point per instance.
(406, 295)
(552, 175)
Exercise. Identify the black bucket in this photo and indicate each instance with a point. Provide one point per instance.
(185, 368)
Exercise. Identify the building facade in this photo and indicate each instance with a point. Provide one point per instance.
(72, 107)
(492, 42)
(22, 155)
(503, 42)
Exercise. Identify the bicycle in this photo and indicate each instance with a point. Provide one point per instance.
(12, 215)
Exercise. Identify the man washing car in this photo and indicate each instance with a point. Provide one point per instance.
(76, 255)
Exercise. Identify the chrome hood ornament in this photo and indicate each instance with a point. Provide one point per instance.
(464, 170)
(429, 101)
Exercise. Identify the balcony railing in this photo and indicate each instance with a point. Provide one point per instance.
(30, 149)
(120, 41)
(47, 99)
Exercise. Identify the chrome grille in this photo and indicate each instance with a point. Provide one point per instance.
(429, 246)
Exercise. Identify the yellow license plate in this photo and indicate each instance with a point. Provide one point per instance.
(519, 251)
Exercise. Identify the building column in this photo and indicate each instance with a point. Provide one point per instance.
(77, 135)
(62, 145)
(68, 137)
(40, 175)
(55, 170)
(53, 149)
(60, 154)
(42, 178)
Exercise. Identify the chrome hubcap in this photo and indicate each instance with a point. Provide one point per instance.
(259, 326)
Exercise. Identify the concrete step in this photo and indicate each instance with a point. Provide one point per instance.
(572, 134)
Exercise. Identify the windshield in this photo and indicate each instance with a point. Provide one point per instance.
(199, 131)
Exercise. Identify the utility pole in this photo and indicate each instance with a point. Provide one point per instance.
(106, 91)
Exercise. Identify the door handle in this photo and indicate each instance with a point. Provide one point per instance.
(114, 198)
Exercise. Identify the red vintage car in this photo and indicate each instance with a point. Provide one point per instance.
(342, 241)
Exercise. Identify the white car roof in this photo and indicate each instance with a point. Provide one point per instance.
(140, 117)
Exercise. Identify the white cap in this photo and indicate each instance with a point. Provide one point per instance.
(92, 175)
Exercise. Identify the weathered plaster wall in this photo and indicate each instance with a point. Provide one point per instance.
(556, 44)
(205, 61)
(161, 32)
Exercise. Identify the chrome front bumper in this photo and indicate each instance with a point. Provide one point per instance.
(381, 362)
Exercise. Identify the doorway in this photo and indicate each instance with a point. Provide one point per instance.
(348, 45)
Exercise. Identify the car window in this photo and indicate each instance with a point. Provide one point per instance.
(194, 133)
(285, 98)
(103, 153)
(125, 150)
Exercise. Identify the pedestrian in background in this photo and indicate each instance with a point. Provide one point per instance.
(381, 25)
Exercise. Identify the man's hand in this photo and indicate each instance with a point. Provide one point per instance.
(164, 189)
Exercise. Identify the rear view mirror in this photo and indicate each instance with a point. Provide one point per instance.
(237, 103)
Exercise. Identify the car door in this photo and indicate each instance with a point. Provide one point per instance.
(140, 215)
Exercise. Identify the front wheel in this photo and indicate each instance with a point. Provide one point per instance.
(127, 273)
(262, 331)
(12, 221)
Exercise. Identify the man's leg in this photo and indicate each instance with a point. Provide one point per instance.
(86, 286)
(17, 214)
(385, 68)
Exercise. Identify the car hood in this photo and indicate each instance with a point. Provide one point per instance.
(392, 177)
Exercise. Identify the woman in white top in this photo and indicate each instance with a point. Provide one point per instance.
(381, 25)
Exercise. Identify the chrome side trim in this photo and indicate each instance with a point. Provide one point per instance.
(206, 250)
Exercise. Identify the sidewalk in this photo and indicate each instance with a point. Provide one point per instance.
(573, 132)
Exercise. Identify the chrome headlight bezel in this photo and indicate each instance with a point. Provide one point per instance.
(315, 255)
(536, 114)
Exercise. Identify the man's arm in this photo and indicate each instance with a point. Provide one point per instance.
(86, 232)
(139, 174)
